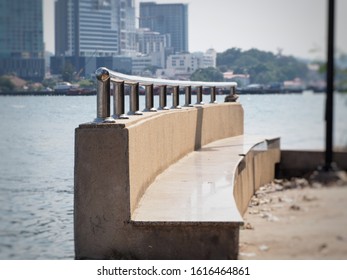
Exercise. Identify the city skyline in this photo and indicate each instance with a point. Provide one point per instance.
(293, 27)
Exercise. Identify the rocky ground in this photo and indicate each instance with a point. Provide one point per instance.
(296, 220)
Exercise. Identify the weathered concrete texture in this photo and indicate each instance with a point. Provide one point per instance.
(101, 189)
(196, 241)
(115, 164)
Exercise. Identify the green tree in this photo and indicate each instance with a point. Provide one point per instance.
(49, 83)
(6, 84)
(86, 83)
(263, 67)
(68, 72)
(228, 57)
(207, 74)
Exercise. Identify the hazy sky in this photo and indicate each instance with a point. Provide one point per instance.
(298, 27)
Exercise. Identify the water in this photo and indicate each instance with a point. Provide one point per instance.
(37, 158)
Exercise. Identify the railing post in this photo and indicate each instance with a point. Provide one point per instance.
(176, 97)
(103, 100)
(233, 90)
(199, 96)
(149, 99)
(213, 94)
(134, 99)
(188, 96)
(162, 98)
(118, 101)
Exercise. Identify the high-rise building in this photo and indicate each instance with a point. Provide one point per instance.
(21, 39)
(94, 27)
(167, 19)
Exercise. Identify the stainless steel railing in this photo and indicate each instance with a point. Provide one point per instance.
(106, 78)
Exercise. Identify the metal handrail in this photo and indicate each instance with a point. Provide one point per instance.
(105, 77)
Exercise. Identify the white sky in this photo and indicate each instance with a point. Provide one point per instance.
(298, 27)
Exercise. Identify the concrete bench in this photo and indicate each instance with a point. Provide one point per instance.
(202, 197)
(168, 185)
(200, 187)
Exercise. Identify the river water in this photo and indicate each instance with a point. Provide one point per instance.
(37, 159)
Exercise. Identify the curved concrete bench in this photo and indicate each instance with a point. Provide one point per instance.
(205, 186)
(123, 211)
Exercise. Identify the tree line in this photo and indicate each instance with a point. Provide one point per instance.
(261, 66)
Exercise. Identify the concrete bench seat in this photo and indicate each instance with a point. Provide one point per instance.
(200, 187)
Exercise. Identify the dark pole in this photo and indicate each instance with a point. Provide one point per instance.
(330, 88)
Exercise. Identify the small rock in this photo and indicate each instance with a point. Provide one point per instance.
(263, 248)
(289, 185)
(322, 247)
(301, 182)
(309, 198)
(248, 226)
(254, 211)
(285, 199)
(295, 207)
(339, 238)
(248, 255)
(265, 209)
(269, 217)
(317, 185)
(254, 201)
(278, 181)
(264, 201)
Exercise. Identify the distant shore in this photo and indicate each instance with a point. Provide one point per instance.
(46, 93)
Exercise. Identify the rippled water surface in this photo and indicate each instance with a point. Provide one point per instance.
(37, 159)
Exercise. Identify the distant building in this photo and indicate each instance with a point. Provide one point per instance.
(184, 64)
(167, 19)
(242, 80)
(94, 28)
(155, 45)
(88, 65)
(21, 39)
(140, 63)
(148, 41)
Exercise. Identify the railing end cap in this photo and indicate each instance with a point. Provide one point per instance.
(102, 74)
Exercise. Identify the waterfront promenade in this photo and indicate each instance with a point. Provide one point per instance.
(39, 198)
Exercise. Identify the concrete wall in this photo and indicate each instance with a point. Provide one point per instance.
(303, 163)
(115, 163)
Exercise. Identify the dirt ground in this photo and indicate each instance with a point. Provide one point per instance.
(296, 220)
